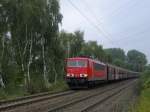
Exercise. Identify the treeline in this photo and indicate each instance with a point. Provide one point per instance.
(133, 60)
(74, 45)
(32, 50)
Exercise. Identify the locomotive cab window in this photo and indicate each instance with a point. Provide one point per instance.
(77, 63)
(98, 67)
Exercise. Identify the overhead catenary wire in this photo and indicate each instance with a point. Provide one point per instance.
(91, 11)
(121, 7)
(133, 36)
(102, 30)
(90, 22)
(97, 19)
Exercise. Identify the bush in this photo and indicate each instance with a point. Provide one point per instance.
(144, 98)
(144, 101)
(37, 84)
(145, 79)
(59, 86)
(3, 94)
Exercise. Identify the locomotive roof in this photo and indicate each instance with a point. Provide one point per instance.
(78, 58)
(96, 61)
(117, 67)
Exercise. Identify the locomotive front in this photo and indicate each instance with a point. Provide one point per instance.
(77, 72)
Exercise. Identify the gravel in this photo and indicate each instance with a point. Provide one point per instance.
(117, 103)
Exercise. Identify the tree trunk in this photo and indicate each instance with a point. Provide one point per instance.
(22, 61)
(56, 75)
(44, 64)
(1, 78)
(30, 61)
(24, 52)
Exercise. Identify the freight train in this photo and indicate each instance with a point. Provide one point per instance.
(85, 72)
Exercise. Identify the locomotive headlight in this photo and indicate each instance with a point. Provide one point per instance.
(68, 75)
(72, 75)
(85, 75)
(81, 75)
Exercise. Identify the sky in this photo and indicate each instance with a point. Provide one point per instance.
(112, 23)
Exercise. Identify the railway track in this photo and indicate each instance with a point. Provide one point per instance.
(105, 95)
(104, 99)
(117, 101)
(63, 100)
(8, 104)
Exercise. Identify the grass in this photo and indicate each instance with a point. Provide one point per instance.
(12, 93)
(144, 101)
(3, 94)
(143, 104)
(59, 86)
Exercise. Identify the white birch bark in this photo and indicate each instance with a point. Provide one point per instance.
(22, 60)
(1, 81)
(30, 60)
(1, 78)
(44, 64)
(24, 52)
(56, 75)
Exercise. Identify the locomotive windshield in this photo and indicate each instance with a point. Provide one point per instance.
(77, 63)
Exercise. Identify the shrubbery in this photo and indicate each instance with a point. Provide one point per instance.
(145, 79)
(144, 98)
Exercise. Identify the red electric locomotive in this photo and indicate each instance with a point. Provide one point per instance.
(84, 71)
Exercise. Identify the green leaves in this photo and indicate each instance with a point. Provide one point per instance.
(35, 50)
(72, 42)
(116, 53)
(137, 60)
(134, 60)
(33, 25)
(74, 45)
